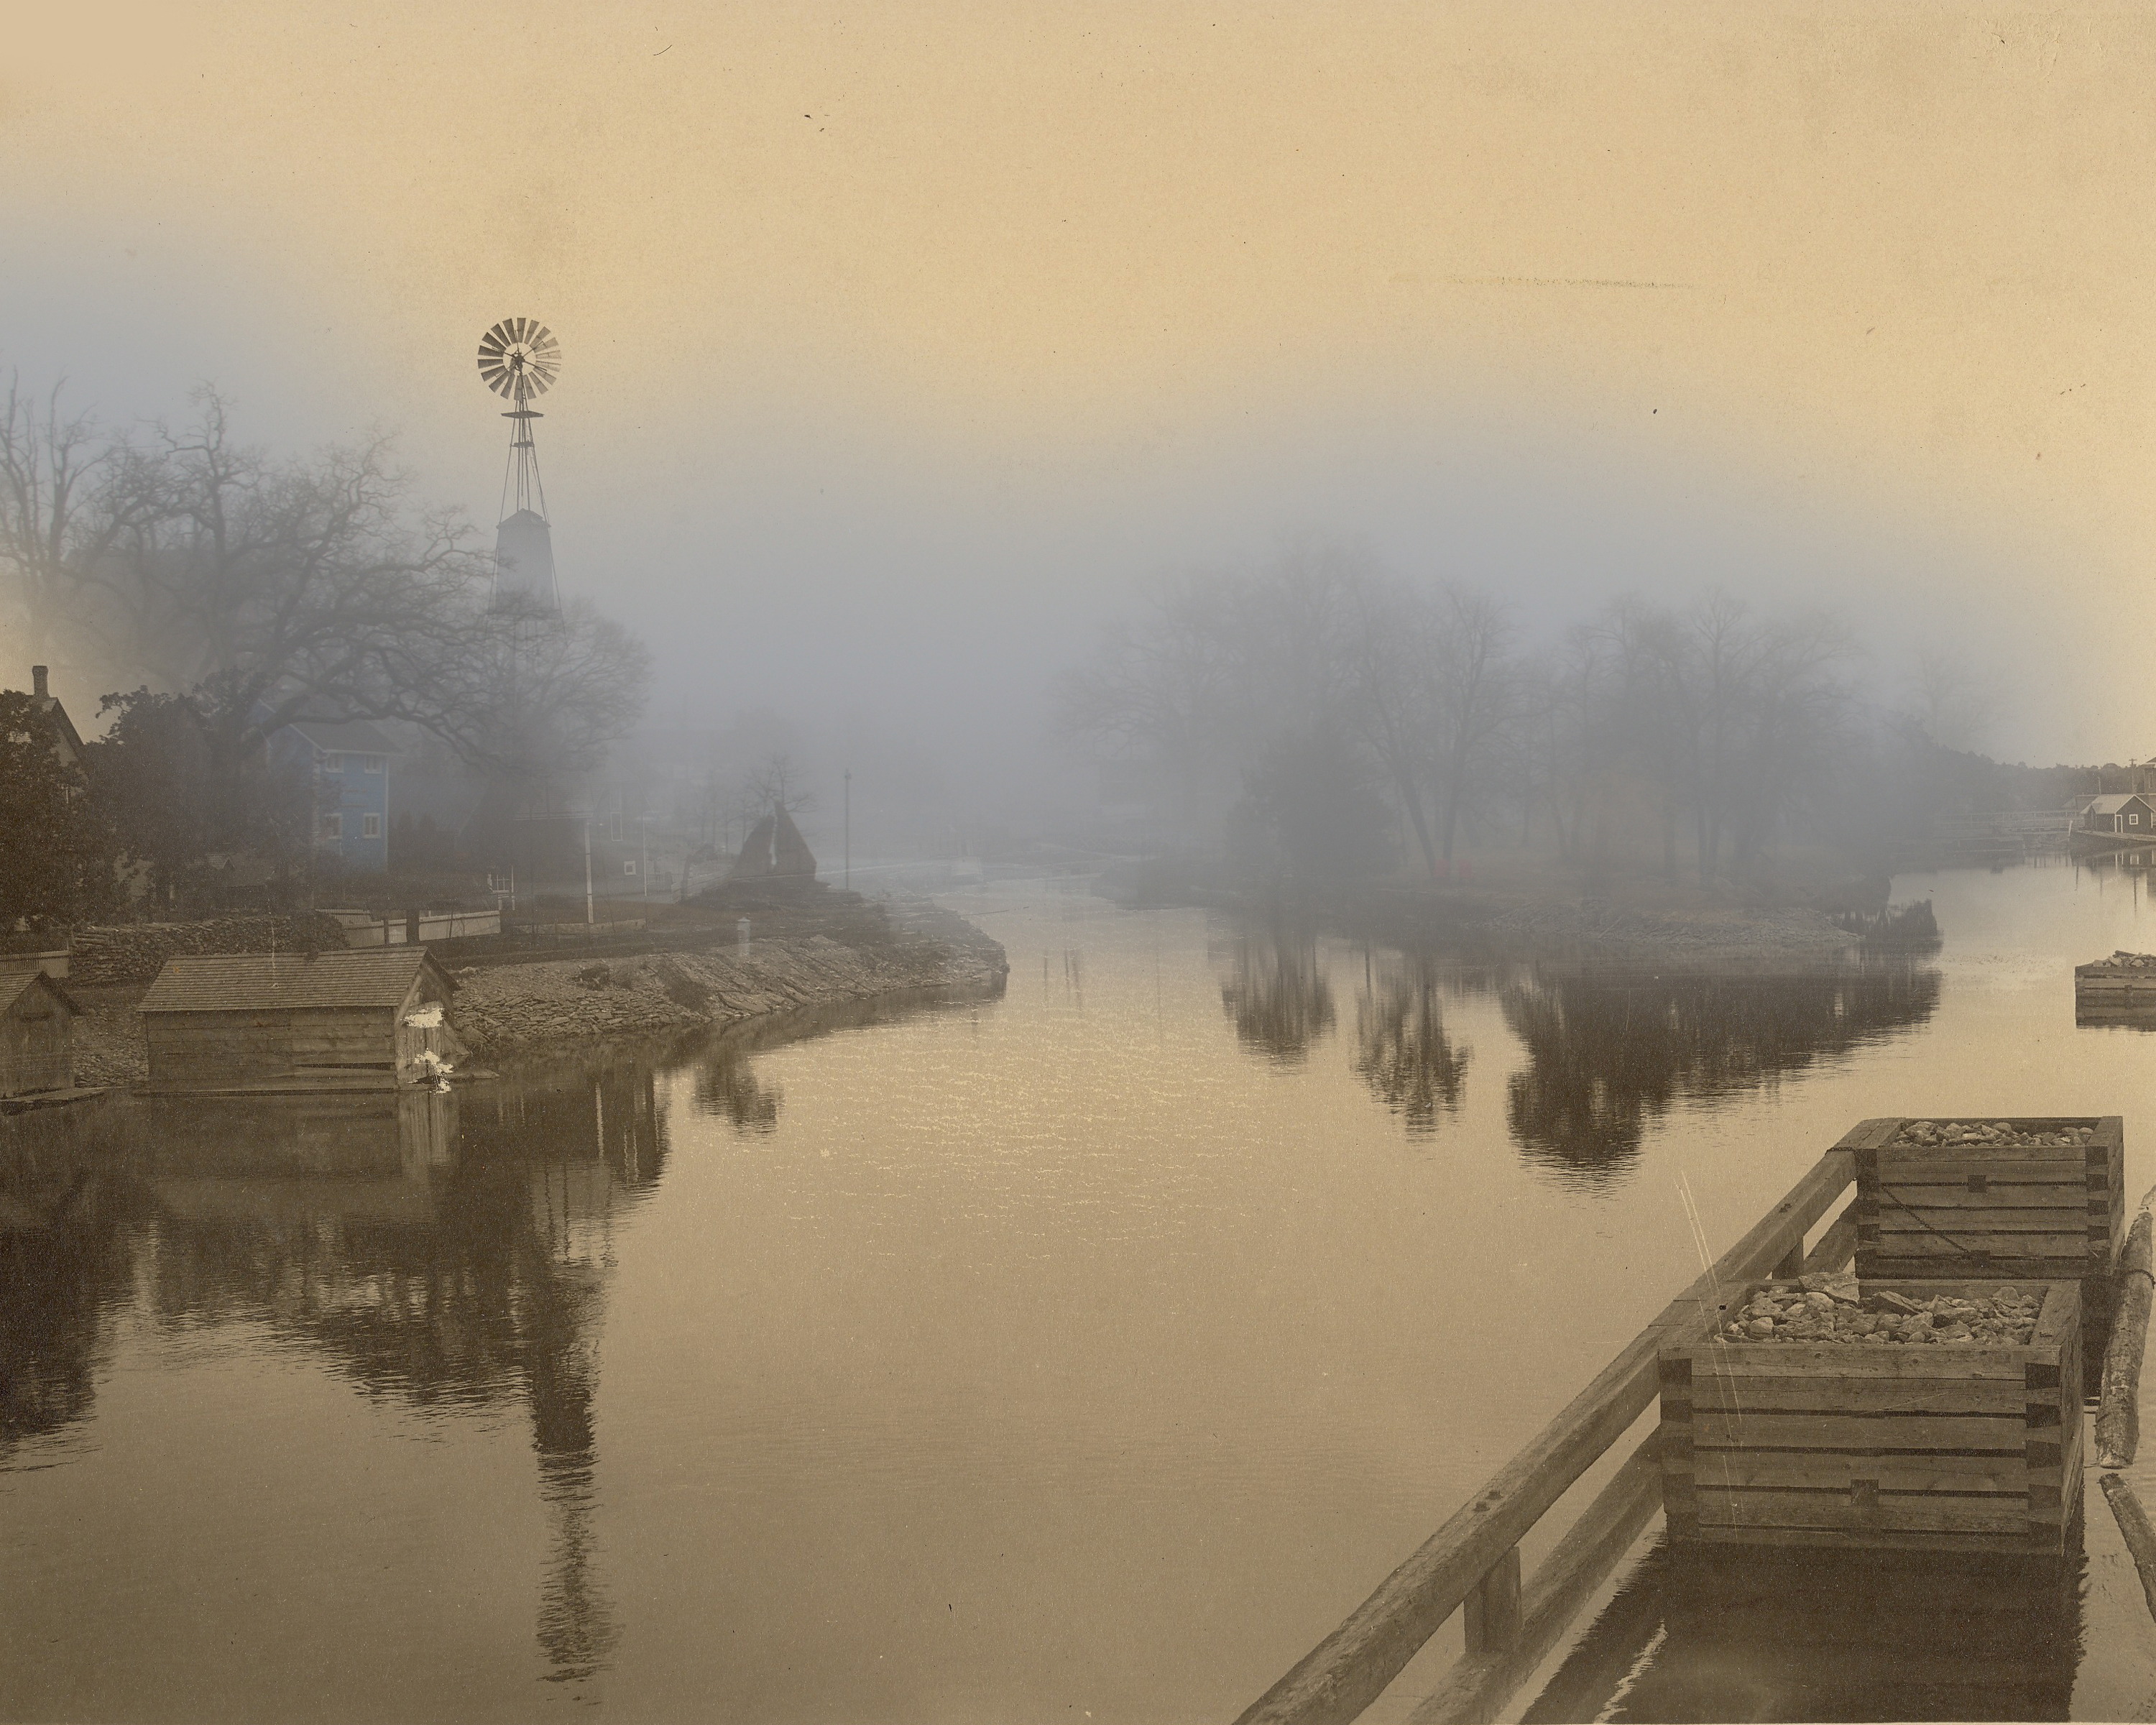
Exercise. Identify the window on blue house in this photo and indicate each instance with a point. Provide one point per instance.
(333, 763)
(333, 826)
(370, 763)
(370, 826)
(630, 867)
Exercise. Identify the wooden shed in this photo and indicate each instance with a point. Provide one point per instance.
(2127, 813)
(364, 1020)
(37, 1029)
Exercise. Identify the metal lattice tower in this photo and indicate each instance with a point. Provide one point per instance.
(518, 359)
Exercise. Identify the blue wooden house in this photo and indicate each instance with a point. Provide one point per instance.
(348, 762)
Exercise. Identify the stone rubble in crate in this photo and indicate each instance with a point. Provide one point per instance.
(1831, 1310)
(1986, 1134)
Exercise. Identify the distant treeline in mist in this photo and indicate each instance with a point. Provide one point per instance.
(181, 558)
(1318, 720)
(220, 590)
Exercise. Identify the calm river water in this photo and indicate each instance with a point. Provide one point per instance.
(1086, 1353)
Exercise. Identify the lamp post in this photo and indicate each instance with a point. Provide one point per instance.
(849, 829)
(588, 871)
(643, 858)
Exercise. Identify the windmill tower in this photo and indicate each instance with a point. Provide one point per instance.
(518, 359)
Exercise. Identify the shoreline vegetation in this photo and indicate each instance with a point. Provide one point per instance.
(1509, 911)
(690, 972)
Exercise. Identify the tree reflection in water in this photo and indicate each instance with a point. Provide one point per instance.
(66, 1267)
(1609, 1051)
(449, 1250)
(1402, 1051)
(1274, 987)
(728, 1089)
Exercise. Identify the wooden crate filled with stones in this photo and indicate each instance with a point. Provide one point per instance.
(1817, 1433)
(2037, 1199)
(2124, 982)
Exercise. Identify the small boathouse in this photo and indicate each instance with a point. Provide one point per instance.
(284, 1021)
(37, 1027)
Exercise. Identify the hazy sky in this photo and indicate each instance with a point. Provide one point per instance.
(902, 342)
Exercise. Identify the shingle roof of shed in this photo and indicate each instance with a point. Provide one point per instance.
(252, 982)
(2112, 804)
(16, 984)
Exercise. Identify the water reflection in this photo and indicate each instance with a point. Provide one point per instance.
(450, 1251)
(1828, 1636)
(1608, 1051)
(1273, 985)
(1402, 1051)
(65, 1268)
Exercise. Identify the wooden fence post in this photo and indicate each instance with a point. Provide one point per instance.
(1493, 1608)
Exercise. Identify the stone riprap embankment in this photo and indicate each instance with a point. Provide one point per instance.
(1827, 1309)
(508, 1008)
(134, 952)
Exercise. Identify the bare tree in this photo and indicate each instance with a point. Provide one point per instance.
(72, 498)
(1390, 653)
(1473, 699)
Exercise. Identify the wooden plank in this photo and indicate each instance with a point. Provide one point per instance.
(1829, 1394)
(2059, 1322)
(1921, 1245)
(1830, 1470)
(1879, 1539)
(1478, 1687)
(2019, 1271)
(1712, 1429)
(1492, 1607)
(1922, 1513)
(1347, 1671)
(1846, 1359)
(1836, 1247)
(2066, 1170)
(2071, 1215)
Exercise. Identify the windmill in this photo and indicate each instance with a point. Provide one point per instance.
(519, 360)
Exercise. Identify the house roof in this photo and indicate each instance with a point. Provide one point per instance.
(50, 706)
(254, 982)
(345, 736)
(15, 985)
(2113, 804)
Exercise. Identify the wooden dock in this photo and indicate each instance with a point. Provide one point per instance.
(1471, 1564)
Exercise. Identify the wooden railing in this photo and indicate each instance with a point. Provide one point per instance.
(1473, 1561)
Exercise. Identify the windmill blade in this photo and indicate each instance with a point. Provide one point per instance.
(518, 358)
